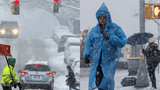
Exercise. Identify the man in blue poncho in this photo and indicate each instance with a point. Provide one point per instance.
(103, 47)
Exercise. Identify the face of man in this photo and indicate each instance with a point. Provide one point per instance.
(102, 19)
(14, 63)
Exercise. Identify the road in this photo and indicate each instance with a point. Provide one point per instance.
(34, 49)
(120, 74)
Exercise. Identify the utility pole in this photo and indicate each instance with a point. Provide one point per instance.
(142, 73)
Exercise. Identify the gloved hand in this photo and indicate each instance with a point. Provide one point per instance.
(15, 85)
(20, 86)
(106, 36)
(87, 59)
(11, 83)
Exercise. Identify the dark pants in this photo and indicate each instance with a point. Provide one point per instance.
(99, 73)
(151, 69)
(72, 85)
(6, 88)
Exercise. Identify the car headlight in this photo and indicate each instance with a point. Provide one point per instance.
(3, 31)
(15, 31)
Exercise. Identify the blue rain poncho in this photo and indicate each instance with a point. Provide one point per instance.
(111, 50)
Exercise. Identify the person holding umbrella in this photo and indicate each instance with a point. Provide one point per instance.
(103, 47)
(151, 54)
(9, 77)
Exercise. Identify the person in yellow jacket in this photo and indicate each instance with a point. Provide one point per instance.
(9, 77)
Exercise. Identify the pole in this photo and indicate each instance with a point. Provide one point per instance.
(158, 41)
(158, 48)
(142, 73)
(9, 68)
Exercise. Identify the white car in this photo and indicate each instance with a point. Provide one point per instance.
(71, 41)
(37, 75)
(60, 31)
(73, 52)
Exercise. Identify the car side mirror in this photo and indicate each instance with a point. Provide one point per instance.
(19, 71)
(54, 72)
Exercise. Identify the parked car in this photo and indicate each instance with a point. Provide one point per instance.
(70, 42)
(72, 54)
(37, 75)
(60, 31)
(63, 41)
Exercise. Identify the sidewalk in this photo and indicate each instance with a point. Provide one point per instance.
(120, 74)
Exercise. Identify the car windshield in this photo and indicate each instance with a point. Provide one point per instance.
(37, 68)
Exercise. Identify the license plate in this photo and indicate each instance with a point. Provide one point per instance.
(36, 76)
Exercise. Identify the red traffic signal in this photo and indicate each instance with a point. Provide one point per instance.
(16, 2)
(56, 0)
(157, 11)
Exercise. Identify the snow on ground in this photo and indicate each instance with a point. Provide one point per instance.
(41, 50)
(56, 62)
(120, 74)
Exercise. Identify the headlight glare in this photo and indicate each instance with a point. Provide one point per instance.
(3, 31)
(15, 31)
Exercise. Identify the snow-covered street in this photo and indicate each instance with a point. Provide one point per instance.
(40, 50)
(120, 74)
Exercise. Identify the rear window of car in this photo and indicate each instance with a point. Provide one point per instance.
(37, 68)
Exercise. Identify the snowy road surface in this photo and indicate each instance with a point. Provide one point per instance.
(35, 49)
(120, 74)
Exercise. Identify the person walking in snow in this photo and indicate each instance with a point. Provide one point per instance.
(9, 77)
(103, 47)
(71, 78)
(151, 54)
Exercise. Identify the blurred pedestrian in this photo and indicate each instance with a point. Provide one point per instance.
(151, 54)
(9, 78)
(103, 47)
(71, 78)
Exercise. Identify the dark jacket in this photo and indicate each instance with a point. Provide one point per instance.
(71, 76)
(151, 53)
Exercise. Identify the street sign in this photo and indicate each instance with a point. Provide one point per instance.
(5, 50)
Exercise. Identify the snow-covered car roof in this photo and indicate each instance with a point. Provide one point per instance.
(35, 62)
(74, 49)
(73, 39)
(74, 52)
(62, 30)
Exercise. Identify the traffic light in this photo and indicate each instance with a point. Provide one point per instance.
(56, 6)
(157, 11)
(15, 7)
(148, 12)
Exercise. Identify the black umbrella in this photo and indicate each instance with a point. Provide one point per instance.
(139, 38)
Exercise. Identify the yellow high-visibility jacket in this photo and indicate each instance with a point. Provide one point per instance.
(6, 76)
